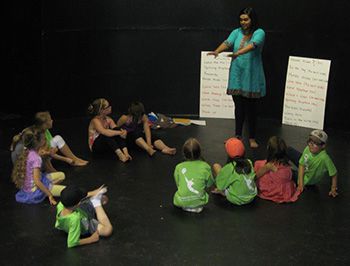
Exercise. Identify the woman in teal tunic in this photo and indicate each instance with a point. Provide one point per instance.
(246, 78)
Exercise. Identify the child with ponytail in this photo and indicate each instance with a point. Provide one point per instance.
(104, 136)
(34, 186)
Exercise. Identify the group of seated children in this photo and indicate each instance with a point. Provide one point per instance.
(239, 181)
(132, 128)
(80, 213)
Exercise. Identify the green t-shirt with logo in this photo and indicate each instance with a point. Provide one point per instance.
(316, 166)
(192, 178)
(48, 137)
(239, 188)
(75, 224)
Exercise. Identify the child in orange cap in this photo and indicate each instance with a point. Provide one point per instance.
(235, 180)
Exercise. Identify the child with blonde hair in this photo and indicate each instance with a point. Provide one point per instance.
(104, 136)
(43, 121)
(192, 177)
(34, 186)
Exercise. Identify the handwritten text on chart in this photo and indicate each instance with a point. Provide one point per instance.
(306, 92)
(214, 102)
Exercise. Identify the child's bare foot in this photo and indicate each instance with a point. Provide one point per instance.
(122, 156)
(77, 163)
(151, 151)
(169, 151)
(83, 162)
(253, 144)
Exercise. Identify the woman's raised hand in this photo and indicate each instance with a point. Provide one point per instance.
(214, 53)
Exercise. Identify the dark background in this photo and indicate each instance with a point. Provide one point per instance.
(63, 54)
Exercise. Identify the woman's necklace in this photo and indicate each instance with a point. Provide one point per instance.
(245, 39)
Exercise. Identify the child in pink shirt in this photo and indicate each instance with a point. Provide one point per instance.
(274, 175)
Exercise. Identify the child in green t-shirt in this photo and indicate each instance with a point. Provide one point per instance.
(55, 144)
(236, 180)
(314, 163)
(192, 177)
(80, 214)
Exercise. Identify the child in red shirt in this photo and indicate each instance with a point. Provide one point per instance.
(274, 175)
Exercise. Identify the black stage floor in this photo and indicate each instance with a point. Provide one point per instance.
(150, 231)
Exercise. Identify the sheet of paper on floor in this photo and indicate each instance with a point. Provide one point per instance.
(199, 122)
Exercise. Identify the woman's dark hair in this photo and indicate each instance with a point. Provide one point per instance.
(277, 150)
(192, 150)
(136, 110)
(243, 165)
(250, 12)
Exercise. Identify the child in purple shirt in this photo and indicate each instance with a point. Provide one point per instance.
(34, 186)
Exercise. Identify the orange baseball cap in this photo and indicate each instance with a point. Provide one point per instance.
(234, 147)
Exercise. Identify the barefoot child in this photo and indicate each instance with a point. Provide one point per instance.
(192, 177)
(274, 175)
(139, 132)
(235, 180)
(34, 186)
(314, 163)
(44, 121)
(77, 213)
(104, 136)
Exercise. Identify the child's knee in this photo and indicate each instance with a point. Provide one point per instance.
(61, 176)
(57, 176)
(109, 230)
(58, 142)
(105, 230)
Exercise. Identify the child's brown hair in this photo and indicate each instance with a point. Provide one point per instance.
(32, 139)
(192, 150)
(18, 138)
(277, 150)
(136, 110)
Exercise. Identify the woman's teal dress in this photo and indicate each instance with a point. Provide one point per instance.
(247, 76)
